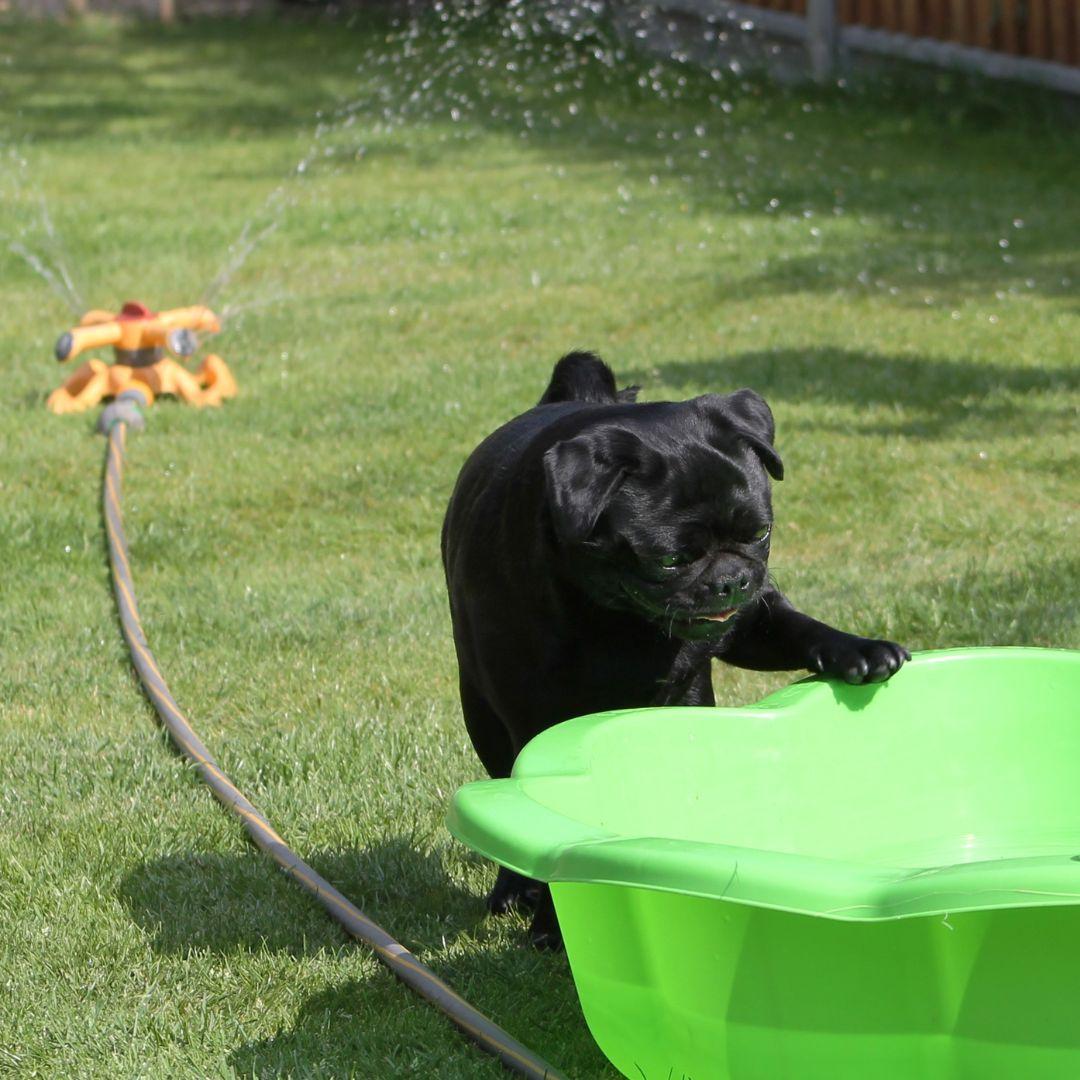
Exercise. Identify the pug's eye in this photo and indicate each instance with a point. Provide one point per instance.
(672, 561)
(762, 534)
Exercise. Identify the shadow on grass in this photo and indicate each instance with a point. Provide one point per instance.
(243, 903)
(212, 77)
(931, 398)
(228, 903)
(338, 1033)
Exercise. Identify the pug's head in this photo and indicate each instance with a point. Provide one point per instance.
(665, 510)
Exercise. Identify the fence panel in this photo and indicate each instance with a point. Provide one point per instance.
(1038, 29)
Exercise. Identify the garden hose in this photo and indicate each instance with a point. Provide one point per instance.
(115, 421)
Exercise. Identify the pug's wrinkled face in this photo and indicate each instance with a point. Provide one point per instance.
(670, 517)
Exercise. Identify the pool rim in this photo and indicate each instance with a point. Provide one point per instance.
(502, 822)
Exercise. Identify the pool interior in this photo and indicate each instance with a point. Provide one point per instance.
(956, 763)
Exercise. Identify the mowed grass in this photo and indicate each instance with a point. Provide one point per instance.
(893, 267)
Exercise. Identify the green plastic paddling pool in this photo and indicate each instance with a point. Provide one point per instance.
(838, 882)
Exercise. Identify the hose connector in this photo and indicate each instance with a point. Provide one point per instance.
(127, 408)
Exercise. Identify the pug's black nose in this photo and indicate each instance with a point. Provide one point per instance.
(731, 590)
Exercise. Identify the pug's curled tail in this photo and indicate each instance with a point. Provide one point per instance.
(583, 376)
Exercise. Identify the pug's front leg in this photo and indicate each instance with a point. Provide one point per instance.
(772, 636)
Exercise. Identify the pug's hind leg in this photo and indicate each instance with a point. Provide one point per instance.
(513, 890)
(496, 751)
(545, 933)
(488, 733)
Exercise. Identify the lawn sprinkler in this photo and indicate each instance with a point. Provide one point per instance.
(141, 370)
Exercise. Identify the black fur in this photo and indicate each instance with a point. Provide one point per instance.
(600, 552)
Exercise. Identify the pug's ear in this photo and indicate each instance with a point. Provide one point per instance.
(583, 473)
(750, 419)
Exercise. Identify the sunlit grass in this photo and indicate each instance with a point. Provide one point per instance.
(840, 252)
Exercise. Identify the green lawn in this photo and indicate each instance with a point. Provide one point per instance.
(894, 268)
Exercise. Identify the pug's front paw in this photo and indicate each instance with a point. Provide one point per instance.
(857, 660)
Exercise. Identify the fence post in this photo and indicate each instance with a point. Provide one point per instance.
(822, 38)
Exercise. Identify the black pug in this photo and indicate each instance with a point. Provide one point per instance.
(599, 553)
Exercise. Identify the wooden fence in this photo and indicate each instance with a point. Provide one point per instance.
(1037, 29)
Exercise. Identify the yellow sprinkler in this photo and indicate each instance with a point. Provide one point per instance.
(142, 370)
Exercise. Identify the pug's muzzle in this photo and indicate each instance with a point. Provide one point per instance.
(703, 612)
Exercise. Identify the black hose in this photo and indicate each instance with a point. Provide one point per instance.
(401, 962)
